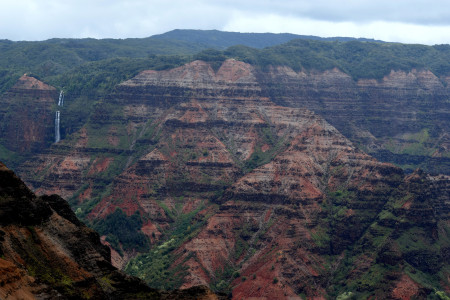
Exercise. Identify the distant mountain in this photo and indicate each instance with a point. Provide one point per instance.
(224, 39)
(57, 56)
(64, 57)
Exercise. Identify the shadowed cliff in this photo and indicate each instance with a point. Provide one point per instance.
(47, 253)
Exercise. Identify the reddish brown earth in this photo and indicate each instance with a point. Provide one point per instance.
(16, 283)
(405, 289)
(47, 253)
(282, 194)
(383, 116)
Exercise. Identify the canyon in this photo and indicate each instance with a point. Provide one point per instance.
(256, 182)
(47, 253)
(401, 118)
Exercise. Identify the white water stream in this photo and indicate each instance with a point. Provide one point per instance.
(58, 116)
(57, 134)
(61, 99)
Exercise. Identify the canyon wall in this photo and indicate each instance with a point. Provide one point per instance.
(216, 183)
(402, 118)
(26, 116)
(245, 180)
(47, 253)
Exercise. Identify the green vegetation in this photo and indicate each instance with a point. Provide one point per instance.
(398, 241)
(97, 78)
(345, 296)
(7, 79)
(356, 58)
(260, 157)
(119, 228)
(419, 143)
(156, 267)
(221, 39)
(214, 57)
(223, 277)
(9, 156)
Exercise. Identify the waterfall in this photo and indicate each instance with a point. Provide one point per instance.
(61, 99)
(57, 117)
(57, 135)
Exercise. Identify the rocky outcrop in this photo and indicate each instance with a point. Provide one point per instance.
(47, 253)
(26, 116)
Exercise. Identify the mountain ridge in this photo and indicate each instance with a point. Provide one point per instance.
(223, 39)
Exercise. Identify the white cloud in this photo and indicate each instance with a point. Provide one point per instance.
(380, 30)
(421, 21)
(357, 11)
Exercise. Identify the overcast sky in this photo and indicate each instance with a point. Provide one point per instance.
(407, 21)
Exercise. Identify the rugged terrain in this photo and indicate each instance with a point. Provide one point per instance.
(47, 253)
(26, 117)
(402, 118)
(216, 179)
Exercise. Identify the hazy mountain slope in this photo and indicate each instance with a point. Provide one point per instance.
(222, 39)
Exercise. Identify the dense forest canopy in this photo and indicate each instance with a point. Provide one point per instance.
(88, 65)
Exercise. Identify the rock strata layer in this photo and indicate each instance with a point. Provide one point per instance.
(47, 253)
(26, 116)
(213, 182)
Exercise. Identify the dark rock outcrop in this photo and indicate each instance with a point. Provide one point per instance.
(47, 253)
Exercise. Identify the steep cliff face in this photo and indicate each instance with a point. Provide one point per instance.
(216, 184)
(26, 116)
(47, 253)
(402, 118)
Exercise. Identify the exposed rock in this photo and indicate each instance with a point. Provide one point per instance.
(47, 253)
(250, 197)
(26, 116)
(388, 118)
